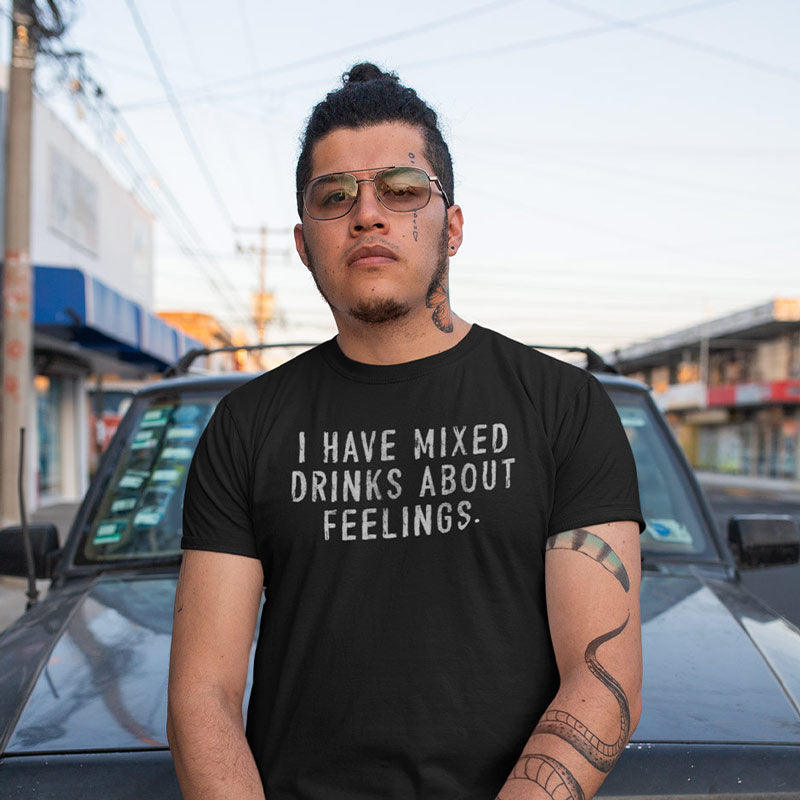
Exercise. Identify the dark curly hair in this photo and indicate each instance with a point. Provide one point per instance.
(370, 96)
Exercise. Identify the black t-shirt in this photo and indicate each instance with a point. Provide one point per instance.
(400, 513)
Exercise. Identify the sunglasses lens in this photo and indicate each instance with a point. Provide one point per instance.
(403, 188)
(331, 196)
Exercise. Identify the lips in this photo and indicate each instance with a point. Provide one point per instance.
(370, 255)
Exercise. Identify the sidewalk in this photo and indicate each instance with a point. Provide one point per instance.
(12, 590)
(740, 485)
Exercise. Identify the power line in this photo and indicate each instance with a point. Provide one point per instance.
(570, 36)
(664, 247)
(681, 41)
(211, 92)
(233, 153)
(178, 112)
(556, 166)
(162, 203)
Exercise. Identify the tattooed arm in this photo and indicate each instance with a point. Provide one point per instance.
(592, 578)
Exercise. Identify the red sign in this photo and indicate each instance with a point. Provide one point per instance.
(749, 394)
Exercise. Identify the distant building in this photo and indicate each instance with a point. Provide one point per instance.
(730, 388)
(92, 251)
(210, 333)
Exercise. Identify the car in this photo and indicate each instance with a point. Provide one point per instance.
(83, 694)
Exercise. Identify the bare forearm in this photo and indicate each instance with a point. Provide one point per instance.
(212, 758)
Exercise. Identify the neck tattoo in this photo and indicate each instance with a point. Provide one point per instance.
(439, 300)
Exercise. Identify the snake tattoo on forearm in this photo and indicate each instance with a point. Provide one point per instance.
(551, 775)
(543, 770)
(601, 755)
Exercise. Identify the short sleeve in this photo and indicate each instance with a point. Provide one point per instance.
(595, 479)
(216, 507)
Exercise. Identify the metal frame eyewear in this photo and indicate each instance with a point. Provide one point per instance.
(379, 175)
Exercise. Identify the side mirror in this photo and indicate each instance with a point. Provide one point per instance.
(759, 540)
(44, 542)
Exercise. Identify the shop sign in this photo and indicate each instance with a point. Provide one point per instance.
(785, 391)
(752, 394)
(682, 395)
(710, 416)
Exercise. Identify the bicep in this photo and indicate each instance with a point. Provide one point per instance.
(592, 578)
(216, 608)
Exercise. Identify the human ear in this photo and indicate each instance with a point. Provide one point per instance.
(455, 229)
(300, 244)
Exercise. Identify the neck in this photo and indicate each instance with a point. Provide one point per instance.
(398, 341)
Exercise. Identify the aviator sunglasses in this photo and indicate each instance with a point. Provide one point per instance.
(397, 188)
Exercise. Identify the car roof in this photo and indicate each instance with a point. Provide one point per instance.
(620, 381)
(215, 380)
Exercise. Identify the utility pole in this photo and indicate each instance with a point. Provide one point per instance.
(17, 282)
(263, 301)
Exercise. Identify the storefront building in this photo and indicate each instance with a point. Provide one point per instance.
(730, 388)
(91, 248)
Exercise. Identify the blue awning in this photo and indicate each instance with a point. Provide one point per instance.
(71, 305)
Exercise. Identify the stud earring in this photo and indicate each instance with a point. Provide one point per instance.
(452, 247)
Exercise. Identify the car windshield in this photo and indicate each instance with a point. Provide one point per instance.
(674, 519)
(138, 515)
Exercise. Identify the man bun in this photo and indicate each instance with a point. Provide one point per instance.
(367, 71)
(370, 96)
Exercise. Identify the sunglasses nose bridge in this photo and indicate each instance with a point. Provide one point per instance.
(359, 196)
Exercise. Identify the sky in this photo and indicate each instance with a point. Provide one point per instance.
(626, 168)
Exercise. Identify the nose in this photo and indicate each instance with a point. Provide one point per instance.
(367, 213)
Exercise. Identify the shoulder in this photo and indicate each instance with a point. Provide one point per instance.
(538, 371)
(266, 387)
(257, 403)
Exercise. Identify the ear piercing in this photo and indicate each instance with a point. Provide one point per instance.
(452, 247)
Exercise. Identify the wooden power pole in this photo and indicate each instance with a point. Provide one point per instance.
(17, 282)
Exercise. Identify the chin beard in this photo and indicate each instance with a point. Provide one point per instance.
(381, 310)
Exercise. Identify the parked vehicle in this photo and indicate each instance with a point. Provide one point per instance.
(84, 672)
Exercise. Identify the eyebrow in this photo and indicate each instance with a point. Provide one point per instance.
(352, 171)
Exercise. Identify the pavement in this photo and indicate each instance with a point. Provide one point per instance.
(747, 485)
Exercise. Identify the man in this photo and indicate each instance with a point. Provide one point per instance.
(446, 522)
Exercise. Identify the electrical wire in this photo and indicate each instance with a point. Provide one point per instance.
(245, 176)
(179, 115)
(406, 33)
(681, 41)
(569, 36)
(213, 92)
(170, 212)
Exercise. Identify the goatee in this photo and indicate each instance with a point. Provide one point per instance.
(380, 310)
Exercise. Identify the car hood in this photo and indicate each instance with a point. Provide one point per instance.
(718, 665)
(87, 669)
(90, 665)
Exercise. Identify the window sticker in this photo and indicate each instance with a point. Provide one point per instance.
(668, 530)
(183, 432)
(148, 517)
(123, 504)
(133, 479)
(171, 475)
(183, 454)
(109, 531)
(144, 440)
(156, 417)
(633, 417)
